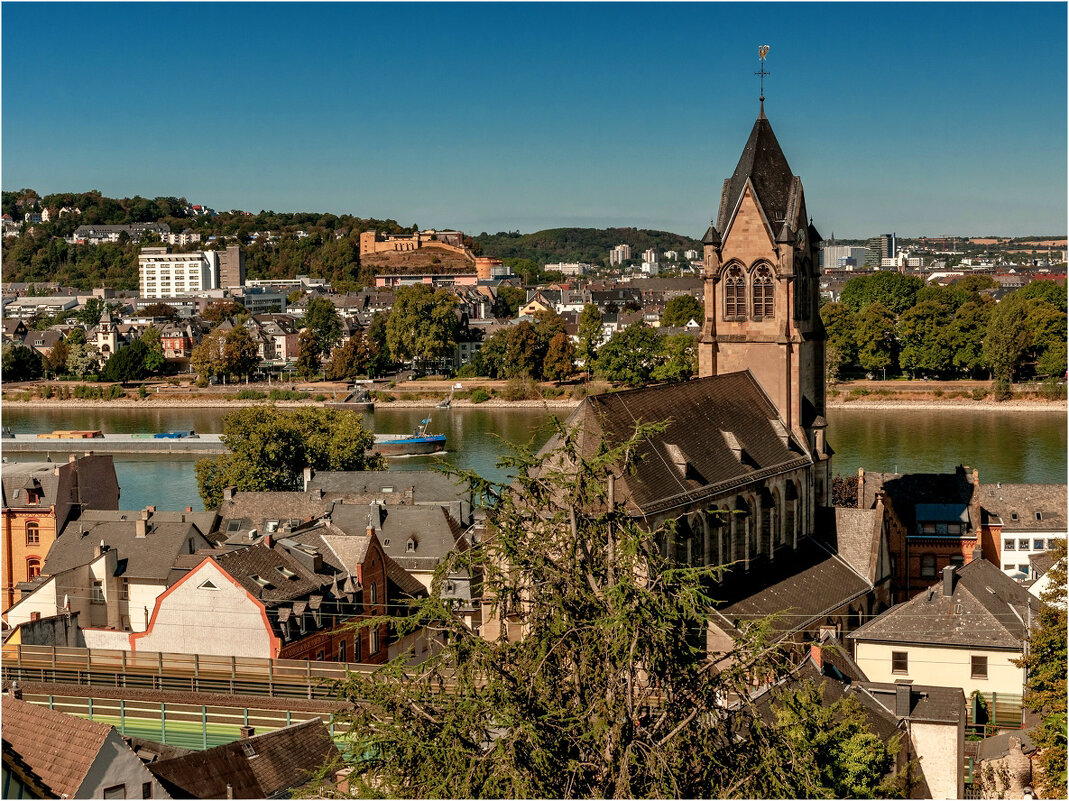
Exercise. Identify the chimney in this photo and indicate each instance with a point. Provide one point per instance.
(903, 691)
(141, 528)
(948, 581)
(189, 508)
(229, 791)
(247, 732)
(269, 541)
(307, 477)
(977, 553)
(88, 453)
(98, 550)
(817, 656)
(860, 487)
(228, 493)
(71, 459)
(16, 690)
(35, 616)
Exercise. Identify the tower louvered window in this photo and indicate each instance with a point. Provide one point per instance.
(764, 290)
(735, 294)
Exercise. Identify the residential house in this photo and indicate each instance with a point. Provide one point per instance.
(387, 487)
(73, 757)
(270, 765)
(965, 631)
(1021, 521)
(15, 330)
(38, 500)
(178, 340)
(111, 566)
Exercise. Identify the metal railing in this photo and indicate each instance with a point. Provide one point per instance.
(153, 670)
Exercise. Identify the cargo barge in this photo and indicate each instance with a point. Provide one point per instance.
(419, 442)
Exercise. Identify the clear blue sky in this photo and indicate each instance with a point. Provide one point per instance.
(913, 118)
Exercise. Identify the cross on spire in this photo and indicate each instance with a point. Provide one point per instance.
(762, 52)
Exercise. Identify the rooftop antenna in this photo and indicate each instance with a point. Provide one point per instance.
(762, 52)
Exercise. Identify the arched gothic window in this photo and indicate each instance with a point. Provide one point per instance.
(801, 293)
(764, 294)
(734, 294)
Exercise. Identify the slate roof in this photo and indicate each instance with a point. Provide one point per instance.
(17, 476)
(799, 586)
(855, 535)
(906, 491)
(254, 509)
(259, 560)
(1005, 501)
(433, 531)
(59, 748)
(390, 485)
(987, 609)
(149, 557)
(697, 413)
(998, 746)
(1041, 563)
(927, 703)
(280, 761)
(763, 163)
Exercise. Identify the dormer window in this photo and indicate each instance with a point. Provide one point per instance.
(1013, 516)
(271, 526)
(411, 545)
(261, 581)
(286, 573)
(1039, 516)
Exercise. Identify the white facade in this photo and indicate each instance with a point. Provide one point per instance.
(834, 256)
(649, 256)
(168, 275)
(651, 267)
(943, 666)
(568, 268)
(690, 255)
(1018, 547)
(619, 254)
(940, 747)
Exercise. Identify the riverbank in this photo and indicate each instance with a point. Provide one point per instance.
(890, 404)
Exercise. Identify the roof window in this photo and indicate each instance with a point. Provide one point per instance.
(1039, 516)
(285, 571)
(1013, 515)
(261, 581)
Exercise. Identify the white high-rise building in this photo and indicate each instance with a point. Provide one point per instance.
(649, 256)
(690, 255)
(835, 256)
(619, 254)
(168, 275)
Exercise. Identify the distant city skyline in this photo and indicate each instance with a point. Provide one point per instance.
(921, 119)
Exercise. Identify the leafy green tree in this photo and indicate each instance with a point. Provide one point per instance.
(225, 353)
(830, 745)
(590, 678)
(82, 359)
(322, 319)
(560, 358)
(126, 364)
(154, 358)
(270, 447)
(841, 347)
(522, 352)
(894, 291)
(966, 336)
(350, 360)
(630, 355)
(678, 358)
(423, 324)
(590, 335)
(220, 310)
(76, 336)
(90, 315)
(294, 296)
(508, 301)
(974, 284)
(1047, 325)
(56, 360)
(378, 349)
(21, 363)
(1050, 291)
(309, 354)
(681, 309)
(1045, 690)
(1007, 338)
(875, 337)
(924, 338)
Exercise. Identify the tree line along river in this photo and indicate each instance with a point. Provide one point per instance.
(1007, 446)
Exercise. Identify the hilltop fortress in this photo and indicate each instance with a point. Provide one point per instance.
(451, 241)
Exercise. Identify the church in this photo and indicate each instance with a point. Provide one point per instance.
(743, 465)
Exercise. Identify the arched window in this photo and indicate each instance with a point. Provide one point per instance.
(696, 541)
(928, 566)
(33, 532)
(801, 293)
(33, 568)
(734, 294)
(790, 513)
(764, 294)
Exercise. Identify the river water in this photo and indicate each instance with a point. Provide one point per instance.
(1005, 446)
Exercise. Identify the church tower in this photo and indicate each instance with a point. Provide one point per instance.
(761, 288)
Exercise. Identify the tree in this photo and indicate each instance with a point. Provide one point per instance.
(1050, 291)
(829, 744)
(678, 358)
(308, 354)
(126, 364)
(225, 353)
(82, 359)
(560, 358)
(590, 336)
(154, 358)
(270, 447)
(159, 310)
(924, 338)
(76, 336)
(1045, 690)
(90, 315)
(1047, 325)
(378, 349)
(841, 347)
(1007, 338)
(630, 355)
(56, 360)
(966, 336)
(894, 291)
(220, 310)
(522, 351)
(21, 363)
(350, 359)
(423, 324)
(681, 309)
(844, 491)
(596, 684)
(508, 301)
(322, 319)
(875, 337)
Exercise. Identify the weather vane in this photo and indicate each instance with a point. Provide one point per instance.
(762, 52)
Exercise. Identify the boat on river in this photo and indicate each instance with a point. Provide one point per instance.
(418, 442)
(358, 400)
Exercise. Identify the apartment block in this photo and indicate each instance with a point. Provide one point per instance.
(619, 254)
(167, 275)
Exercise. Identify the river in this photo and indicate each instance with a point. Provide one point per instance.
(1005, 446)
